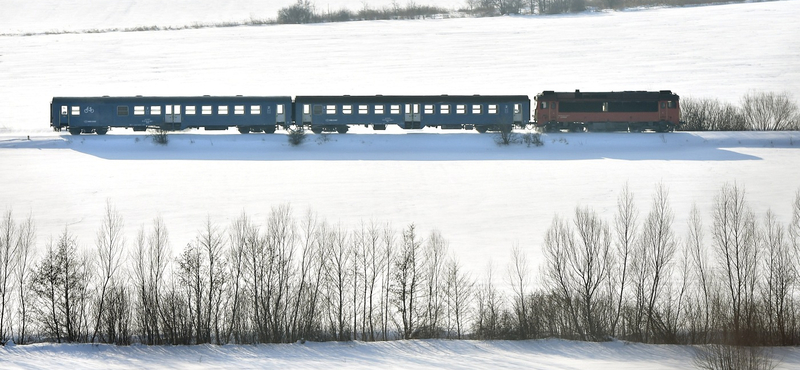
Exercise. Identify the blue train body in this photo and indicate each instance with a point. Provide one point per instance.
(266, 114)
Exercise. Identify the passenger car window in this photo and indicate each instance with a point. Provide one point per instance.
(190, 109)
(122, 110)
(379, 109)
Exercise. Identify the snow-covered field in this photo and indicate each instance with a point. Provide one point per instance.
(482, 197)
(409, 355)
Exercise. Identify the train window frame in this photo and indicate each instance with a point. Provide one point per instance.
(168, 110)
(347, 109)
(444, 109)
(363, 109)
(155, 110)
(330, 109)
(190, 110)
(429, 109)
(395, 109)
(64, 110)
(138, 110)
(207, 110)
(544, 105)
(222, 109)
(256, 109)
(517, 108)
(75, 110)
(461, 109)
(317, 109)
(477, 109)
(306, 108)
(379, 109)
(671, 104)
(122, 110)
(605, 106)
(238, 110)
(492, 109)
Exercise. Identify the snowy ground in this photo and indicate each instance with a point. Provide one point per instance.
(483, 198)
(408, 355)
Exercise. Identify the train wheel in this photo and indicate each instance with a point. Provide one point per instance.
(74, 131)
(316, 129)
(101, 131)
(342, 129)
(244, 130)
(269, 130)
(481, 129)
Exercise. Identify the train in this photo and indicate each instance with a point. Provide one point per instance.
(632, 111)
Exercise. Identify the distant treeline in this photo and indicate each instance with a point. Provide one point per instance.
(631, 275)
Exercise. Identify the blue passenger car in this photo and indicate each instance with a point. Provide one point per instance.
(481, 112)
(98, 114)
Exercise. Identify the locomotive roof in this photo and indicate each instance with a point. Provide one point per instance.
(609, 95)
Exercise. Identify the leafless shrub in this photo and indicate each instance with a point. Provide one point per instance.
(296, 136)
(159, 136)
(724, 357)
(769, 111)
(506, 135)
(532, 138)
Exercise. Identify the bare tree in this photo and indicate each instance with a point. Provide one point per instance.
(777, 285)
(61, 284)
(657, 247)
(9, 246)
(25, 259)
(735, 240)
(459, 291)
(700, 266)
(110, 245)
(408, 267)
(150, 261)
(518, 274)
(625, 232)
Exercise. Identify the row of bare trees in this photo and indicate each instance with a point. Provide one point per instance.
(640, 281)
(633, 276)
(758, 111)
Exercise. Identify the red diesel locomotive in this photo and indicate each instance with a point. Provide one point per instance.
(632, 111)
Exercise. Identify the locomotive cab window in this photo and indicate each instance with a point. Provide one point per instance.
(663, 105)
(605, 107)
(544, 105)
(122, 110)
(76, 110)
(671, 104)
(190, 109)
